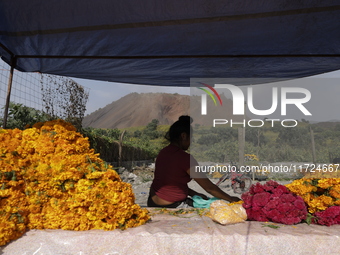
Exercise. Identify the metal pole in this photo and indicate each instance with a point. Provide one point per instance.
(9, 89)
(313, 145)
(241, 132)
(242, 139)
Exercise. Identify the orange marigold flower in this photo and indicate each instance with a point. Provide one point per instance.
(51, 178)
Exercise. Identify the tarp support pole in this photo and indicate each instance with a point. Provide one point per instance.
(9, 89)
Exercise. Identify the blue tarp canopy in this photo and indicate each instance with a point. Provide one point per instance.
(168, 42)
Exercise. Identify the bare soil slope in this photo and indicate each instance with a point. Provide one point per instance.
(135, 110)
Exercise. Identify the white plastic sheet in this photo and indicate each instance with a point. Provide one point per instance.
(188, 234)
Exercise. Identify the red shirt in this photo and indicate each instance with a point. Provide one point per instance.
(171, 178)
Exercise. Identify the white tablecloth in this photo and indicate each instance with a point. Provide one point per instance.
(168, 234)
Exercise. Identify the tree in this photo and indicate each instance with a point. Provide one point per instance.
(64, 98)
(225, 133)
(208, 139)
(152, 126)
(137, 133)
(151, 129)
(297, 137)
(20, 116)
(255, 136)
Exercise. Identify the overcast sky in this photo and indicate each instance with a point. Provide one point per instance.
(324, 104)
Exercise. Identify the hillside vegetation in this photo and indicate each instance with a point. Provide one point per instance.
(220, 144)
(271, 144)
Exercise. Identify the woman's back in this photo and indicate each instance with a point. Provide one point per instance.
(171, 176)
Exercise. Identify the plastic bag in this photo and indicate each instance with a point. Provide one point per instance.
(224, 213)
(199, 202)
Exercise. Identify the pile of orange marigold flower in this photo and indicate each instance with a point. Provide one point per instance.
(319, 190)
(51, 179)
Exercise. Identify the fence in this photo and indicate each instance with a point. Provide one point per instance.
(26, 88)
(109, 152)
(47, 93)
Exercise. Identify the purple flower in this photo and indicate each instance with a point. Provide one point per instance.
(261, 199)
(247, 199)
(288, 198)
(279, 190)
(256, 214)
(274, 202)
(257, 188)
(300, 204)
(328, 217)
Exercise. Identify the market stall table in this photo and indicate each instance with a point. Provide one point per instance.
(183, 234)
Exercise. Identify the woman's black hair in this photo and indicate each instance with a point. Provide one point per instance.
(182, 125)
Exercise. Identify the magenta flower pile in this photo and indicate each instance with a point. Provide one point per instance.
(274, 202)
(328, 217)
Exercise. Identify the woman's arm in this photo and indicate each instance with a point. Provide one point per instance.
(214, 190)
(210, 187)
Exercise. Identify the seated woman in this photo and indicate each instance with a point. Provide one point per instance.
(172, 172)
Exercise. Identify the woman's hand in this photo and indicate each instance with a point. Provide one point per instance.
(235, 199)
